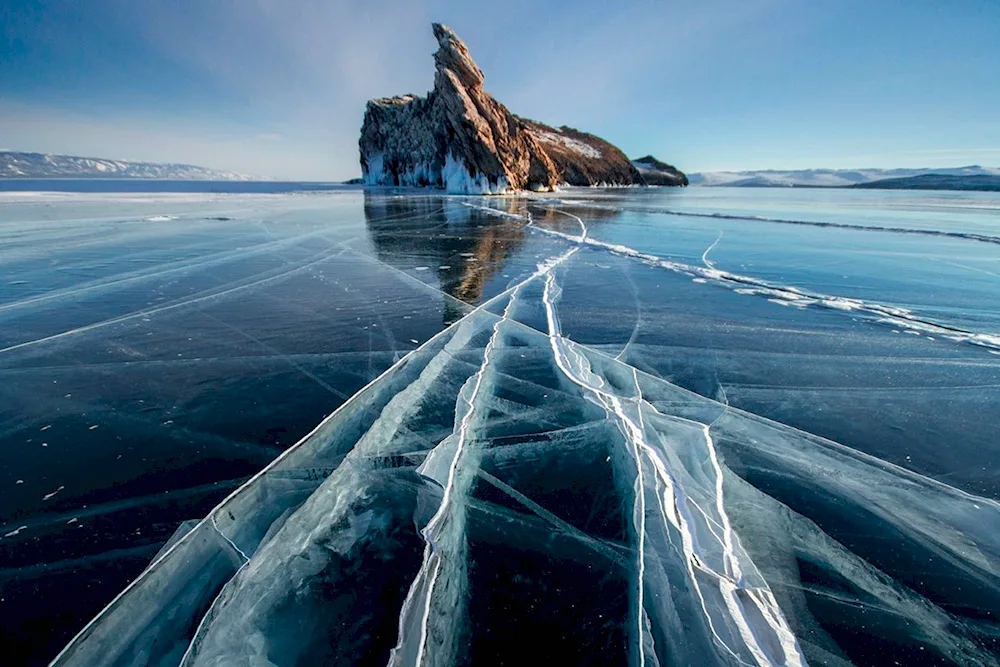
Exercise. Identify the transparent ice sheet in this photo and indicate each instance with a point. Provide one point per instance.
(460, 498)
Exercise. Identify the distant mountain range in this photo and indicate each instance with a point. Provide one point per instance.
(41, 165)
(982, 182)
(18, 165)
(834, 178)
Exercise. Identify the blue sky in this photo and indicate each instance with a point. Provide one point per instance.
(278, 87)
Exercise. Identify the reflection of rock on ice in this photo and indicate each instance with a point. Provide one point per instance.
(504, 494)
(405, 233)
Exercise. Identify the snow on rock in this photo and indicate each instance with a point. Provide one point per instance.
(655, 172)
(568, 143)
(585, 159)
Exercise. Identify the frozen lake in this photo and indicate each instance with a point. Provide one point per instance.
(638, 426)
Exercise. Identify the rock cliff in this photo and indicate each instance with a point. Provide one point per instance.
(460, 138)
(584, 159)
(654, 172)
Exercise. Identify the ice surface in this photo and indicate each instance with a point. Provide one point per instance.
(553, 440)
(379, 536)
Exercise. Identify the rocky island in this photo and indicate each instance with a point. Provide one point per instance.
(461, 139)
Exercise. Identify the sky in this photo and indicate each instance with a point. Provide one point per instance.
(277, 88)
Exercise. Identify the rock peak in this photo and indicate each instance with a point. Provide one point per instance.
(443, 33)
(453, 55)
(461, 139)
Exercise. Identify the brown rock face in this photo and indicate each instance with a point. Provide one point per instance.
(584, 159)
(461, 139)
(655, 172)
(458, 137)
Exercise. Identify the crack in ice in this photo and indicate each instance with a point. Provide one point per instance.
(173, 306)
(787, 295)
(426, 579)
(704, 255)
(730, 581)
(432, 555)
